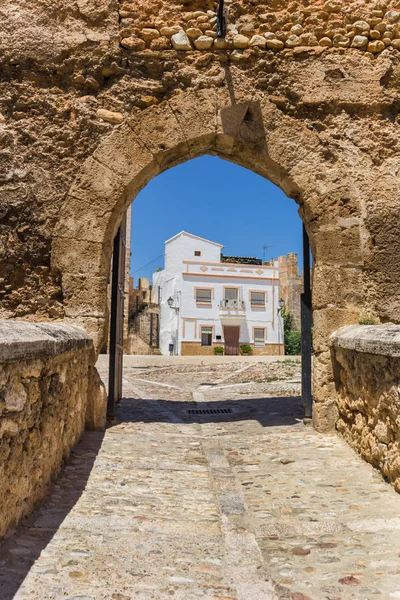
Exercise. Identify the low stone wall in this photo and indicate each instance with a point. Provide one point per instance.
(144, 326)
(196, 349)
(135, 345)
(269, 350)
(366, 362)
(46, 382)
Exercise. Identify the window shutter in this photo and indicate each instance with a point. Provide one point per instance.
(259, 337)
(203, 296)
(231, 293)
(257, 298)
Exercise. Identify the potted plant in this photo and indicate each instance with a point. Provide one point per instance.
(246, 350)
(218, 350)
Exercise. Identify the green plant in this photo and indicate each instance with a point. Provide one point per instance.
(290, 361)
(291, 335)
(368, 319)
(218, 350)
(246, 349)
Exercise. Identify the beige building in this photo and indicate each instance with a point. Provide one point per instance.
(291, 286)
(142, 295)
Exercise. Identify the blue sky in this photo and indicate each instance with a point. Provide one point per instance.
(216, 200)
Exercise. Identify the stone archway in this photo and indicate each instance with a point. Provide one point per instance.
(99, 96)
(253, 133)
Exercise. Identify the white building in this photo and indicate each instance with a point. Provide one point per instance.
(207, 303)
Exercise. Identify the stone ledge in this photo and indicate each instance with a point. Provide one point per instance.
(370, 339)
(21, 340)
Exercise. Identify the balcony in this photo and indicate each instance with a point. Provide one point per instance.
(232, 308)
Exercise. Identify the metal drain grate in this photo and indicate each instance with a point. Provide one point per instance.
(209, 411)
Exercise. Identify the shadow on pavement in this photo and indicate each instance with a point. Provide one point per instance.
(269, 412)
(23, 547)
(19, 552)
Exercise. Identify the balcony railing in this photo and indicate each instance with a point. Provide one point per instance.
(233, 304)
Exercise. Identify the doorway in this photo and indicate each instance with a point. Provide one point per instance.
(224, 280)
(231, 335)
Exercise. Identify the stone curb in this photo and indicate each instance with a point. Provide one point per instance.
(371, 339)
(20, 340)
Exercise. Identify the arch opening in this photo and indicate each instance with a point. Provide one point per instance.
(220, 202)
(215, 200)
(252, 134)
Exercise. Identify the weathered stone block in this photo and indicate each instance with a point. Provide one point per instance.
(326, 321)
(338, 287)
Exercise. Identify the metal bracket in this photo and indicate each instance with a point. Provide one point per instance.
(221, 20)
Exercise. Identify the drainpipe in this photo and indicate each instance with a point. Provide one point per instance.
(178, 350)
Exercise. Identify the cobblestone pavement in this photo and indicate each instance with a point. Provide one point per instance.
(177, 502)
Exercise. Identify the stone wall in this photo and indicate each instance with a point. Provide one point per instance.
(145, 324)
(139, 296)
(367, 367)
(135, 345)
(143, 335)
(267, 26)
(291, 286)
(269, 350)
(96, 99)
(46, 386)
(196, 349)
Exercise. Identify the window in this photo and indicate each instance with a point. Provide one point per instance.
(197, 253)
(257, 299)
(259, 337)
(206, 336)
(231, 293)
(203, 296)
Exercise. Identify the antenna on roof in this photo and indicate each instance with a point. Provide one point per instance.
(264, 251)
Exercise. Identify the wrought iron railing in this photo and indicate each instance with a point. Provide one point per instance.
(233, 304)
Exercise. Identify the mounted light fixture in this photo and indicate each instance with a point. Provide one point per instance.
(221, 20)
(281, 304)
(170, 303)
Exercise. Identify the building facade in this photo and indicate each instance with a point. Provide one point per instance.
(206, 302)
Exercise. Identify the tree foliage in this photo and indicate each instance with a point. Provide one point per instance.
(292, 336)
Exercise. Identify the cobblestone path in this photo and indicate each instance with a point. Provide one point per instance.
(174, 503)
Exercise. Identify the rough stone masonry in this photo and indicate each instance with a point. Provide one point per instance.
(367, 364)
(46, 399)
(99, 96)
